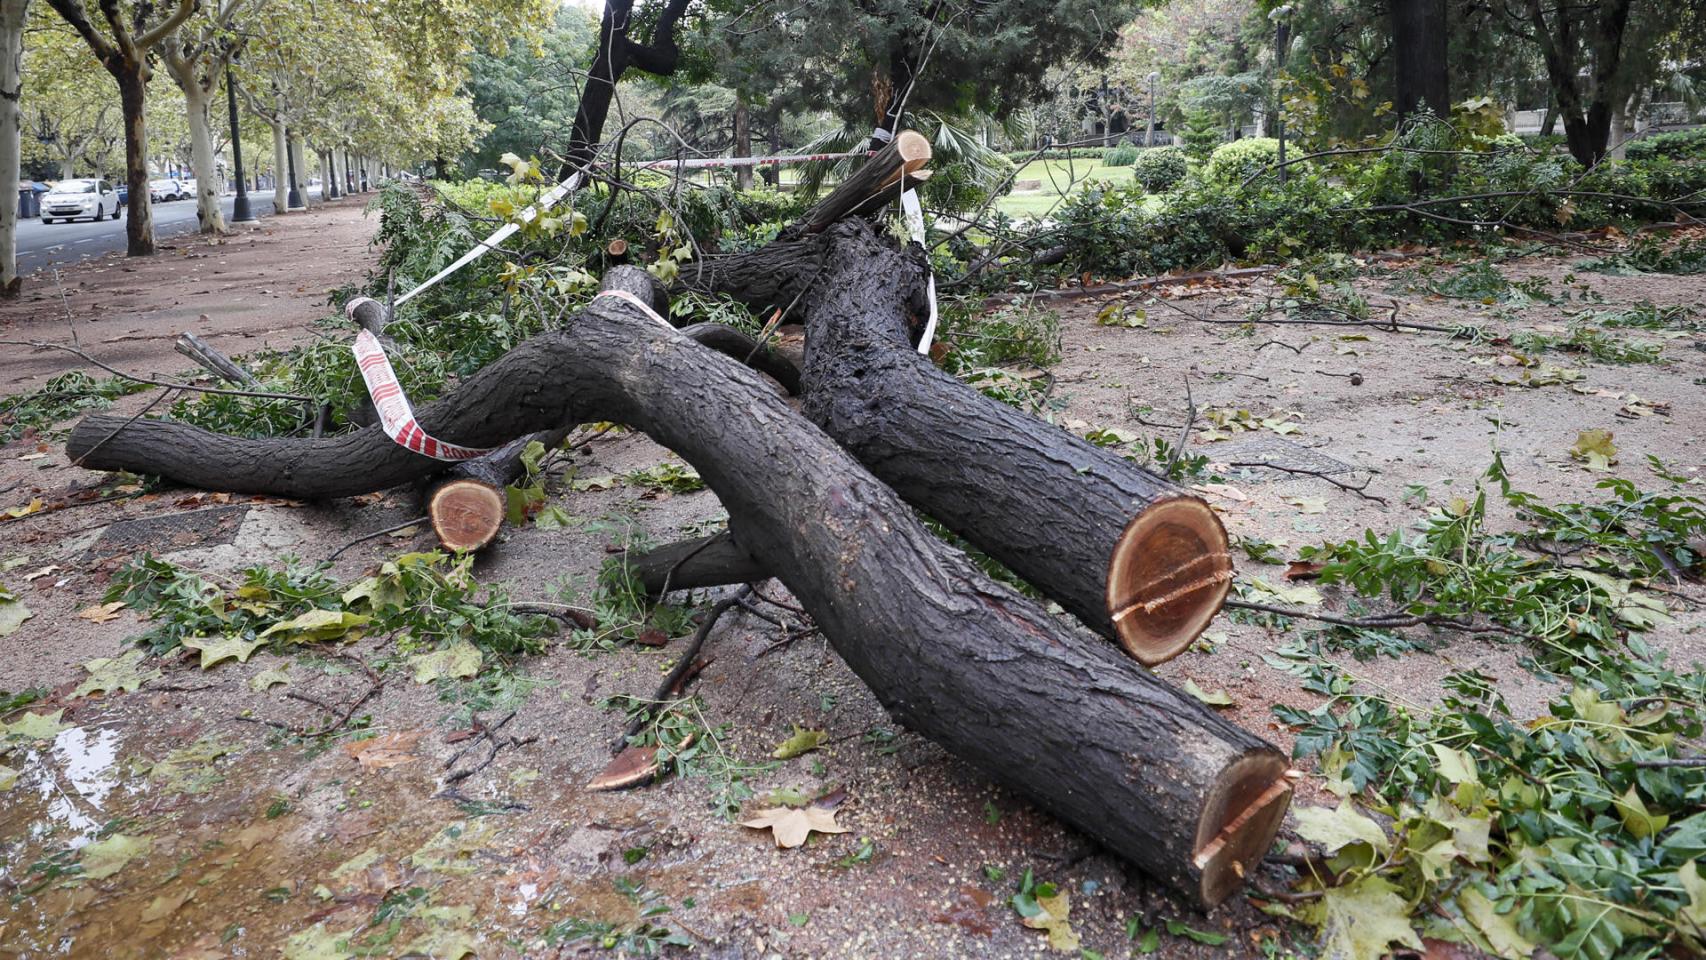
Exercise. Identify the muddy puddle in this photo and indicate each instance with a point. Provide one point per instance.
(154, 845)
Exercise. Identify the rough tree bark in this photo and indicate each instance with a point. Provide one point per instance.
(1123, 550)
(1154, 775)
(1586, 114)
(126, 55)
(1419, 34)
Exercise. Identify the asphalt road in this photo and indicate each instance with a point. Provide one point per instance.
(42, 245)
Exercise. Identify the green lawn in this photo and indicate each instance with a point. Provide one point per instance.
(1057, 176)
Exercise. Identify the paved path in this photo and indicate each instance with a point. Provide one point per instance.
(42, 245)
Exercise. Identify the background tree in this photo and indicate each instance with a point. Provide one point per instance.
(196, 55)
(13, 16)
(124, 42)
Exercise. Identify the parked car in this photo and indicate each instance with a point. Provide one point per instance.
(70, 199)
(167, 189)
(189, 189)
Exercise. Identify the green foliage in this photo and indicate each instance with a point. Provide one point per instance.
(1591, 342)
(1648, 255)
(1574, 830)
(1123, 155)
(622, 613)
(688, 745)
(1022, 331)
(428, 599)
(1240, 160)
(1676, 145)
(1454, 567)
(1158, 169)
(63, 396)
(645, 935)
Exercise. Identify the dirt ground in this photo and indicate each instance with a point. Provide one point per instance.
(256, 288)
(257, 846)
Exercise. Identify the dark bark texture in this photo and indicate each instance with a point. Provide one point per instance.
(1419, 35)
(1056, 715)
(1050, 506)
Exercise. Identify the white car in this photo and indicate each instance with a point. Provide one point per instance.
(162, 190)
(70, 199)
(189, 189)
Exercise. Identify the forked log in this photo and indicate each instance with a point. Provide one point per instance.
(210, 358)
(1124, 551)
(1092, 738)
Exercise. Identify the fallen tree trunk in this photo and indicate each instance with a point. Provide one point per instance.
(1154, 775)
(1123, 550)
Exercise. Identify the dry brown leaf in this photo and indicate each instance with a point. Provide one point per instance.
(102, 612)
(1303, 570)
(391, 750)
(790, 825)
(633, 766)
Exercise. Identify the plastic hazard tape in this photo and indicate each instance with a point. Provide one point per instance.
(396, 416)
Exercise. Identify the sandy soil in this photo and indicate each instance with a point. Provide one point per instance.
(256, 840)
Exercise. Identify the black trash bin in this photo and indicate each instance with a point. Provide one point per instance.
(29, 202)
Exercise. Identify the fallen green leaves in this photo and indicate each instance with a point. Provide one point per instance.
(803, 741)
(115, 674)
(1046, 907)
(13, 613)
(103, 858)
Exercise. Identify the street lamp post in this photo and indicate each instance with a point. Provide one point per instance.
(293, 201)
(240, 212)
(1281, 17)
(1149, 135)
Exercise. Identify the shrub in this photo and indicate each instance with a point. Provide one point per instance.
(1240, 160)
(1676, 145)
(1123, 155)
(1159, 168)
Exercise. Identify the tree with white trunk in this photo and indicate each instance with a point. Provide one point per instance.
(196, 56)
(13, 15)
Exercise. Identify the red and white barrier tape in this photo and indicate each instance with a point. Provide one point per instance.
(396, 415)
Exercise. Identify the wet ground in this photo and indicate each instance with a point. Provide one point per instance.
(177, 819)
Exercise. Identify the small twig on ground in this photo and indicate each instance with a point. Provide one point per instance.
(1386, 621)
(1184, 432)
(684, 664)
(340, 718)
(42, 345)
(377, 533)
(1358, 489)
(487, 734)
(1282, 343)
(560, 611)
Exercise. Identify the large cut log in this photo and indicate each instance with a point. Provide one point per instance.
(1056, 715)
(467, 502)
(1124, 551)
